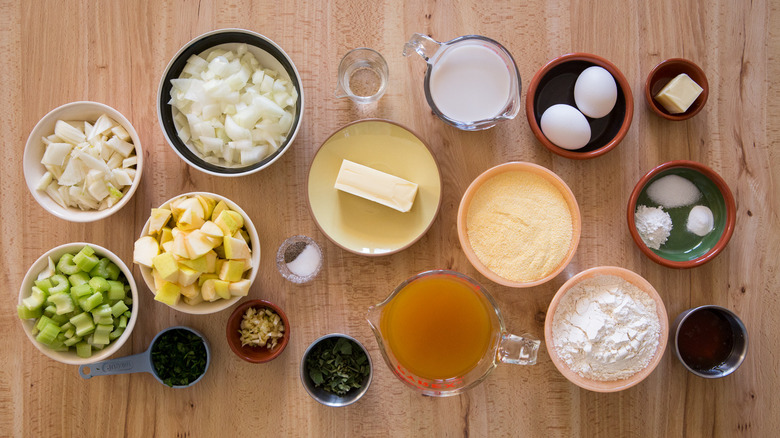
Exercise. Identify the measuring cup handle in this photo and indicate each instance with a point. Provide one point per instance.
(518, 350)
(137, 363)
(421, 44)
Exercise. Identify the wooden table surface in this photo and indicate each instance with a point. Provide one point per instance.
(114, 52)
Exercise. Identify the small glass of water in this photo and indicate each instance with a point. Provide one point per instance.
(362, 76)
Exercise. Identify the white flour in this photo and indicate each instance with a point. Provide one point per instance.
(653, 224)
(605, 328)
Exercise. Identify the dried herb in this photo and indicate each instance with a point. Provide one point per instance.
(179, 357)
(337, 365)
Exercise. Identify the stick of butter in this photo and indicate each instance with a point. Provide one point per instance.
(376, 186)
(679, 94)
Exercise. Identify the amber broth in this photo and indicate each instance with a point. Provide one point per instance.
(437, 327)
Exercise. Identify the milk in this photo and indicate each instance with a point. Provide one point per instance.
(470, 82)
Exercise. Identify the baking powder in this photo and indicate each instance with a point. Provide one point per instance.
(606, 328)
(653, 224)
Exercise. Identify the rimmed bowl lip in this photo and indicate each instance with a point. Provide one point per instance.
(234, 340)
(219, 305)
(175, 143)
(690, 66)
(343, 401)
(615, 385)
(33, 141)
(728, 198)
(465, 203)
(598, 61)
(415, 240)
(69, 357)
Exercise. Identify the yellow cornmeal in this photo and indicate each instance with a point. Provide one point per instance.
(519, 225)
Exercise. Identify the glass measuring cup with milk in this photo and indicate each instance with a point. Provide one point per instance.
(471, 83)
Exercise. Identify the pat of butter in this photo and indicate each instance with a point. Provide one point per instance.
(679, 94)
(376, 186)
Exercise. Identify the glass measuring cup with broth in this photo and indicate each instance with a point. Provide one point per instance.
(441, 333)
(471, 82)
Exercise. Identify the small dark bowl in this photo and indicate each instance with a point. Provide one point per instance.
(554, 83)
(251, 353)
(664, 72)
(327, 398)
(269, 54)
(683, 249)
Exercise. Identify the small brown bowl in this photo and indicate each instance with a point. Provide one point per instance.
(554, 83)
(612, 385)
(684, 249)
(664, 72)
(251, 353)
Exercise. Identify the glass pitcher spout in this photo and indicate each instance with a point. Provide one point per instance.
(423, 45)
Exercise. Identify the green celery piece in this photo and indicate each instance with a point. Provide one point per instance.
(59, 319)
(83, 323)
(48, 334)
(113, 271)
(78, 278)
(35, 300)
(101, 310)
(58, 345)
(116, 333)
(61, 335)
(34, 330)
(128, 314)
(63, 302)
(99, 284)
(104, 320)
(50, 310)
(70, 332)
(67, 325)
(45, 320)
(128, 301)
(90, 302)
(60, 284)
(101, 269)
(82, 290)
(101, 334)
(72, 341)
(123, 321)
(66, 266)
(116, 290)
(118, 309)
(44, 284)
(86, 259)
(83, 349)
(25, 313)
(127, 288)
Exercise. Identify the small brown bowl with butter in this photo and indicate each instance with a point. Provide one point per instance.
(680, 93)
(258, 331)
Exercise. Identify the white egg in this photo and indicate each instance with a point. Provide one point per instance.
(565, 126)
(595, 92)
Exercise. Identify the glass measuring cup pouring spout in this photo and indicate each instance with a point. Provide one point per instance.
(471, 82)
(442, 333)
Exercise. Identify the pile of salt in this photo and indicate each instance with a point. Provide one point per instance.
(306, 263)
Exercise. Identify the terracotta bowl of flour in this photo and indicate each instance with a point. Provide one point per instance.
(519, 224)
(650, 350)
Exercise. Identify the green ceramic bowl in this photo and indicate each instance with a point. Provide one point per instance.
(684, 249)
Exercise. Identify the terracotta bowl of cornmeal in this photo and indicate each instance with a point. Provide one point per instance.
(611, 385)
(519, 224)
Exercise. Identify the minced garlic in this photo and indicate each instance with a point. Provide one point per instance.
(261, 328)
(520, 226)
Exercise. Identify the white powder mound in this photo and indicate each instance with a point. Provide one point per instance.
(653, 224)
(673, 191)
(605, 328)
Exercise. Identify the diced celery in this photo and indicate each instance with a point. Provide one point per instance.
(87, 251)
(60, 284)
(90, 302)
(116, 290)
(123, 321)
(67, 325)
(118, 309)
(44, 284)
(99, 284)
(128, 301)
(70, 332)
(101, 334)
(128, 314)
(83, 349)
(101, 269)
(83, 323)
(61, 335)
(50, 310)
(102, 310)
(58, 345)
(116, 333)
(113, 271)
(43, 322)
(63, 302)
(85, 262)
(72, 341)
(59, 319)
(25, 313)
(103, 319)
(127, 288)
(82, 290)
(35, 300)
(78, 278)
(66, 266)
(48, 333)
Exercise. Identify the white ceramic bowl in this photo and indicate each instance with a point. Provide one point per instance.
(214, 306)
(70, 357)
(33, 152)
(270, 55)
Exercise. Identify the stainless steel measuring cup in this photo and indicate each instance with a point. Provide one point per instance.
(141, 362)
